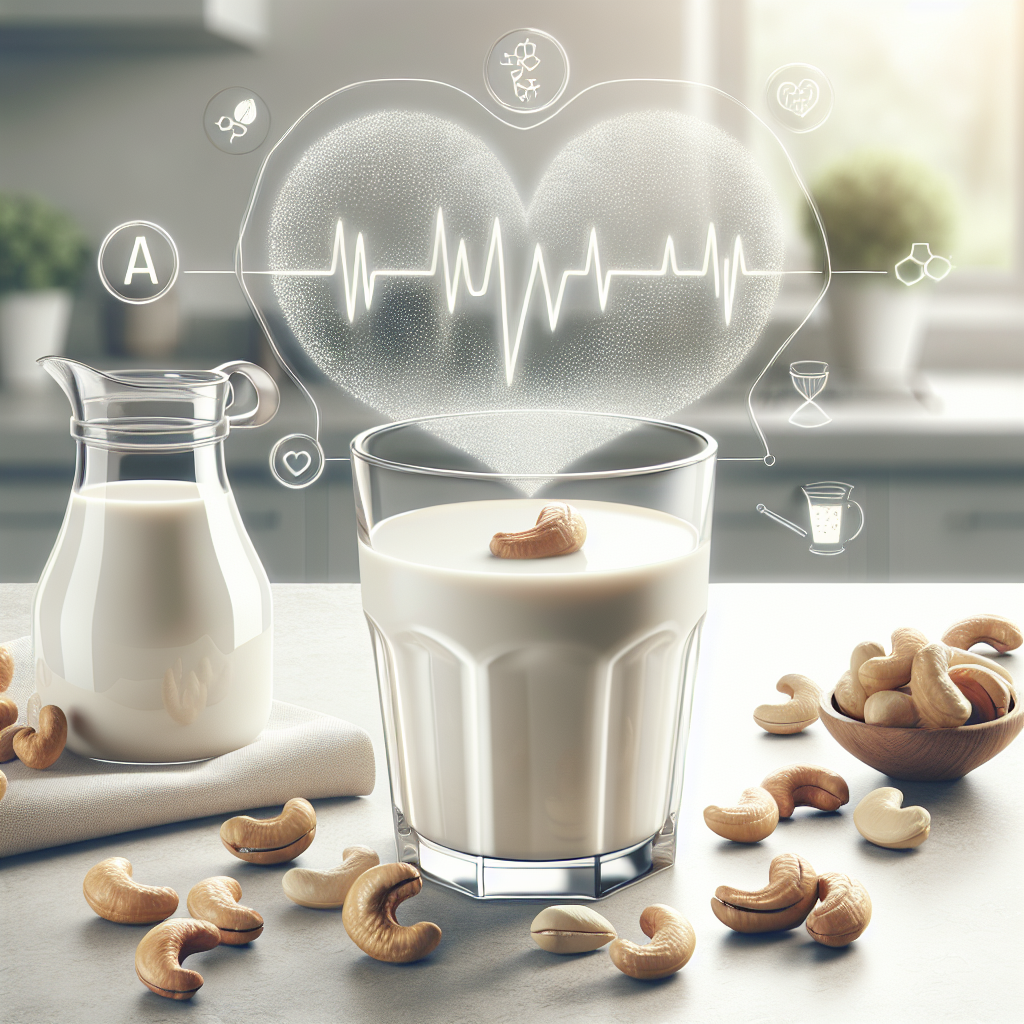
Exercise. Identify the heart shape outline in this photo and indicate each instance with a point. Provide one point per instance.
(798, 99)
(298, 455)
(283, 349)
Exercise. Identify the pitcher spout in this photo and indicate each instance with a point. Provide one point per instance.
(77, 380)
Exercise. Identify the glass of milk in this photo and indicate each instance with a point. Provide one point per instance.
(152, 623)
(535, 710)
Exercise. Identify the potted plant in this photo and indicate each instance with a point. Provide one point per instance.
(876, 207)
(42, 256)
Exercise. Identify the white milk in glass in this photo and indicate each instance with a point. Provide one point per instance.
(534, 704)
(153, 624)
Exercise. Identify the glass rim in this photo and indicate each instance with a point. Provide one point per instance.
(358, 448)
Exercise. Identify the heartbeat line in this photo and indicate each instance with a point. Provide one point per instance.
(725, 274)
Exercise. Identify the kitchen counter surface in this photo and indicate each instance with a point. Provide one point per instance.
(945, 933)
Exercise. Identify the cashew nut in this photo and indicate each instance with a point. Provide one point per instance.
(7, 735)
(850, 696)
(892, 708)
(326, 890)
(843, 913)
(993, 630)
(8, 712)
(570, 929)
(112, 892)
(988, 694)
(216, 900)
(939, 701)
(886, 673)
(881, 820)
(754, 818)
(369, 915)
(806, 785)
(673, 941)
(961, 657)
(792, 715)
(271, 840)
(6, 668)
(560, 530)
(3, 785)
(39, 748)
(159, 956)
(783, 904)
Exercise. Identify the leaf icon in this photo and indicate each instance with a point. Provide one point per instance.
(245, 112)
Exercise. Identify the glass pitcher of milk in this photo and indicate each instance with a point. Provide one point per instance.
(152, 623)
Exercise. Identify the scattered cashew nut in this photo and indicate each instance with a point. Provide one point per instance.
(939, 701)
(843, 913)
(892, 708)
(754, 818)
(216, 900)
(8, 712)
(887, 673)
(326, 890)
(112, 892)
(806, 785)
(881, 820)
(783, 904)
(271, 840)
(369, 915)
(7, 735)
(39, 748)
(559, 530)
(571, 929)
(988, 694)
(792, 715)
(673, 941)
(159, 956)
(993, 630)
(6, 668)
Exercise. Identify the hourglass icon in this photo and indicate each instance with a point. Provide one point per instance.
(809, 378)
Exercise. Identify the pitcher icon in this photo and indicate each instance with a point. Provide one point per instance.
(829, 501)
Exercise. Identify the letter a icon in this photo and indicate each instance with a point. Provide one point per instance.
(133, 268)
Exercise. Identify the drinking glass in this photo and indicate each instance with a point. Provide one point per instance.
(535, 711)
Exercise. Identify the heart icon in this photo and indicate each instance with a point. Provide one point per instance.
(393, 253)
(297, 462)
(798, 99)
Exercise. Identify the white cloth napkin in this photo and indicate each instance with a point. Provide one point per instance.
(300, 753)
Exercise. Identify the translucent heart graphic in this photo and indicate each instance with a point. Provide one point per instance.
(297, 462)
(392, 252)
(798, 99)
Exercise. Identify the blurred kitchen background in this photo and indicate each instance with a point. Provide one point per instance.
(101, 107)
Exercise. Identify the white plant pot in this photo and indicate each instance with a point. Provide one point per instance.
(877, 327)
(32, 324)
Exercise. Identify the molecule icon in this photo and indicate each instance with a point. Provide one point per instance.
(922, 263)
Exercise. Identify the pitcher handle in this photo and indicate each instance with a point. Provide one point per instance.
(268, 398)
(856, 533)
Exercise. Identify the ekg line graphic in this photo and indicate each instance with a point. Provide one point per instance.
(725, 273)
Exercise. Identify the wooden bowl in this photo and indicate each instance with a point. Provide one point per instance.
(921, 755)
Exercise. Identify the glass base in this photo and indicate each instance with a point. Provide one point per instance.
(493, 878)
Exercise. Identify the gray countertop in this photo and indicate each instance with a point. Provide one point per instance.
(945, 933)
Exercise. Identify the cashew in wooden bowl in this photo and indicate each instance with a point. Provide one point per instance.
(921, 754)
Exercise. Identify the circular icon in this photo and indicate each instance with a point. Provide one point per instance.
(799, 97)
(297, 461)
(138, 262)
(526, 70)
(236, 120)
